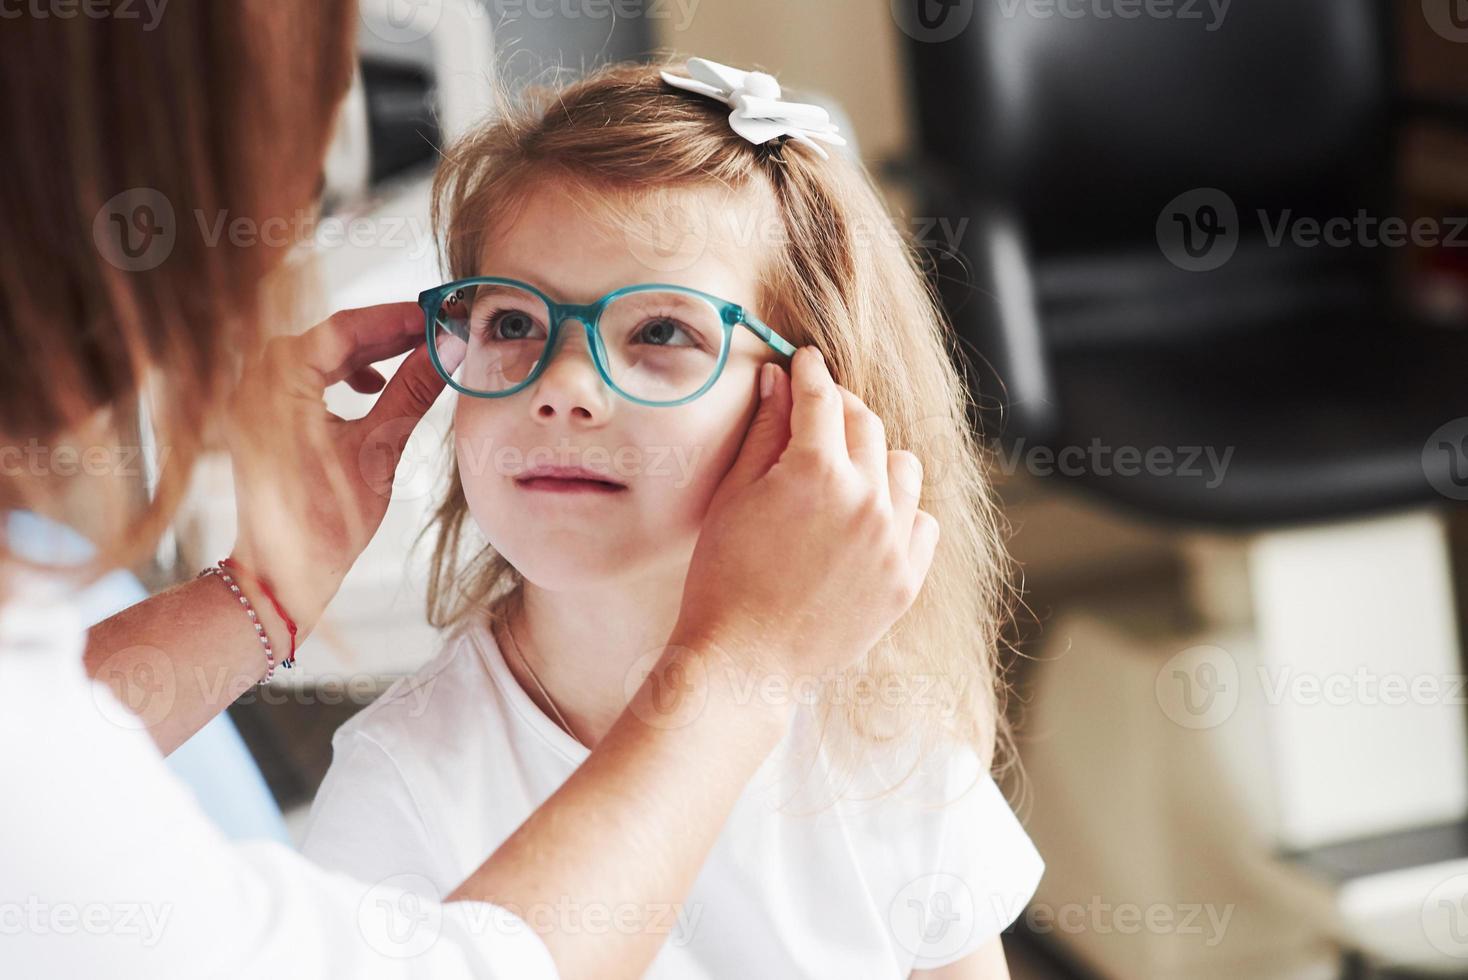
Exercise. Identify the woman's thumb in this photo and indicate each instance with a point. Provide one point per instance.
(410, 392)
(769, 432)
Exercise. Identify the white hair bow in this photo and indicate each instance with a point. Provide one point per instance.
(759, 114)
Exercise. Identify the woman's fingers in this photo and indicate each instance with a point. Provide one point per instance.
(896, 475)
(817, 422)
(862, 566)
(412, 391)
(367, 380)
(905, 484)
(768, 433)
(922, 546)
(353, 339)
(825, 417)
(866, 442)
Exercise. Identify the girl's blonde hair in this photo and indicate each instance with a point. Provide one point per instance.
(840, 277)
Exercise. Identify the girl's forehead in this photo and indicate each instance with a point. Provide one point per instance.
(577, 247)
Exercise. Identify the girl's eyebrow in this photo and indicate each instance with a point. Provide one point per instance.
(510, 272)
(560, 296)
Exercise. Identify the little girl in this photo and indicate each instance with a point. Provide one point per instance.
(874, 842)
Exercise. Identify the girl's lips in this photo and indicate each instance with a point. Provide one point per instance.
(550, 484)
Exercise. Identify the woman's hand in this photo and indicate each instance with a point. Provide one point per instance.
(813, 546)
(311, 487)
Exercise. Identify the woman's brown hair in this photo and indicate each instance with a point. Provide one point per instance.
(841, 276)
(136, 137)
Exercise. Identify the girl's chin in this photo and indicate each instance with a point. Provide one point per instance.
(584, 564)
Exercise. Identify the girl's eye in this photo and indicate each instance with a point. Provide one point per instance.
(658, 331)
(510, 325)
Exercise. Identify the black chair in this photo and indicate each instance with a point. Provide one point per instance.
(1097, 160)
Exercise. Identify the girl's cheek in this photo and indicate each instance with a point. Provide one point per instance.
(478, 454)
(705, 462)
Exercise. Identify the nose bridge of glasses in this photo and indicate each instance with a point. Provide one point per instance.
(585, 315)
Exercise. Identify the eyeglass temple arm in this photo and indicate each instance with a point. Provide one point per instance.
(426, 301)
(769, 336)
(459, 329)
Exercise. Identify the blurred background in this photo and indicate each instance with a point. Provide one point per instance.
(1208, 262)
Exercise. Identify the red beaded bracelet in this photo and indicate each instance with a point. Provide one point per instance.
(290, 624)
(244, 602)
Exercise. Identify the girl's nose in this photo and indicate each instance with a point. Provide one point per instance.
(571, 385)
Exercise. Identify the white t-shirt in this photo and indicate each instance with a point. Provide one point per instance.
(450, 761)
(108, 866)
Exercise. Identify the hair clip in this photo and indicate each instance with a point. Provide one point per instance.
(759, 113)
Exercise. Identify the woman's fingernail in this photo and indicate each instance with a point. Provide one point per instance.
(766, 380)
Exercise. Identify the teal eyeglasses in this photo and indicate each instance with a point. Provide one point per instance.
(654, 344)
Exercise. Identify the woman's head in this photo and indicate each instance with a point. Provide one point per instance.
(621, 179)
(130, 138)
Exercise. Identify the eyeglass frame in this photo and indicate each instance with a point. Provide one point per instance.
(589, 316)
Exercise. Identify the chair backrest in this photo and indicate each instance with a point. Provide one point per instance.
(1088, 116)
